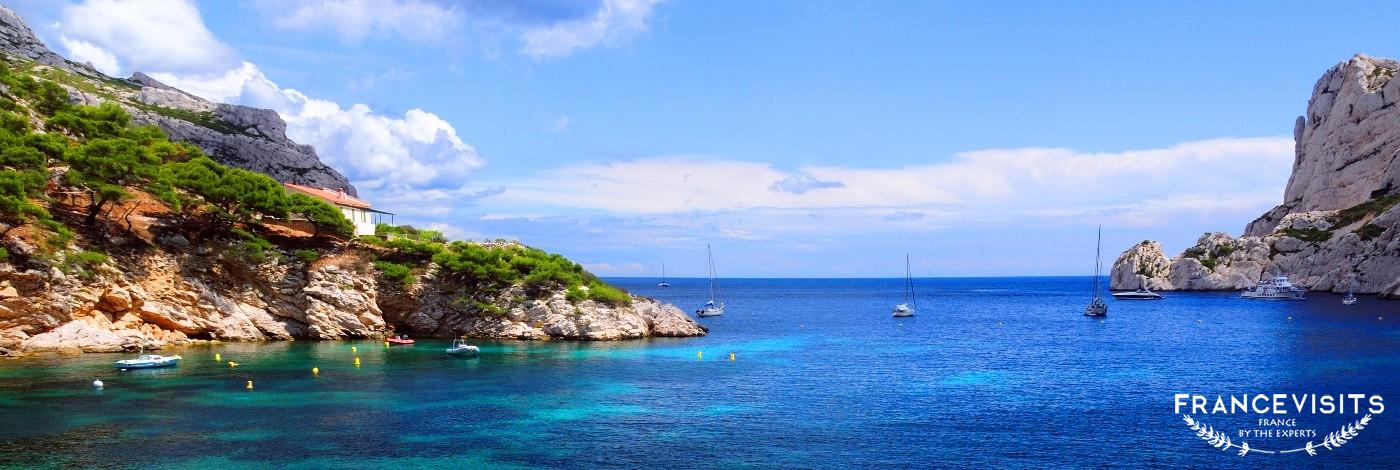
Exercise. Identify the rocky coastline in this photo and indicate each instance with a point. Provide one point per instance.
(1341, 207)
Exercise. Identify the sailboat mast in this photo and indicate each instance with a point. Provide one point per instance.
(1098, 263)
(908, 280)
(710, 258)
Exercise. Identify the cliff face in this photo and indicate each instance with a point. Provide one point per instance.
(173, 294)
(249, 138)
(1340, 211)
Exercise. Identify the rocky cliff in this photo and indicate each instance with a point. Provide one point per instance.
(1339, 214)
(177, 293)
(250, 138)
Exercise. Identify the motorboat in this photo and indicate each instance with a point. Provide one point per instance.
(1350, 298)
(1276, 288)
(461, 348)
(148, 361)
(399, 340)
(1140, 294)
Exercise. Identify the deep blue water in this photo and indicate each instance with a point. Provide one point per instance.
(1000, 372)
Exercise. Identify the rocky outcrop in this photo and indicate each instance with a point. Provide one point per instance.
(152, 298)
(249, 138)
(1339, 216)
(433, 307)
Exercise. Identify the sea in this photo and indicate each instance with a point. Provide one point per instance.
(798, 373)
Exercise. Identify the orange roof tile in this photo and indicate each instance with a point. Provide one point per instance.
(337, 197)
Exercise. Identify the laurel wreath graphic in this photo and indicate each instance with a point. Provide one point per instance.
(1221, 440)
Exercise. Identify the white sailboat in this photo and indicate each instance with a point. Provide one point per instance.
(663, 282)
(1097, 307)
(711, 309)
(1350, 298)
(910, 304)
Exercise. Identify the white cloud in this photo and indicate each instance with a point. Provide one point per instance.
(355, 20)
(120, 37)
(1001, 183)
(377, 152)
(615, 20)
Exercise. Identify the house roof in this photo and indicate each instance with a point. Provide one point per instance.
(337, 197)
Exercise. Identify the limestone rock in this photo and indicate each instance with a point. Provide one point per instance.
(76, 334)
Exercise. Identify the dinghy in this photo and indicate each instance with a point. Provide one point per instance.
(461, 348)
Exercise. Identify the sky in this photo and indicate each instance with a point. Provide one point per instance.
(799, 139)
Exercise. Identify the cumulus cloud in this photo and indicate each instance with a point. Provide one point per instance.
(355, 20)
(615, 20)
(120, 37)
(416, 150)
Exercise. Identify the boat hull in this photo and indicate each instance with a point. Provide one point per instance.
(709, 312)
(1136, 296)
(464, 351)
(132, 365)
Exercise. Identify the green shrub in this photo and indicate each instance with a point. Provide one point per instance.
(1309, 234)
(252, 248)
(83, 262)
(396, 272)
(307, 255)
(4, 253)
(1355, 213)
(575, 294)
(606, 294)
(1369, 231)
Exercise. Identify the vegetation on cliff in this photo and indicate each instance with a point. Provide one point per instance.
(95, 155)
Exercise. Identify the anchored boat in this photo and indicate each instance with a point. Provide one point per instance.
(1097, 307)
(711, 309)
(400, 340)
(1276, 288)
(1140, 294)
(1350, 298)
(910, 304)
(461, 348)
(148, 361)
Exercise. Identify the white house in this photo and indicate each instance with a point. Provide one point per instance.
(357, 210)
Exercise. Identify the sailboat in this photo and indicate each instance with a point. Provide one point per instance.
(1097, 307)
(1350, 298)
(910, 304)
(711, 309)
(663, 282)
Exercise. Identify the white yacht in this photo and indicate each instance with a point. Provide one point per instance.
(1097, 307)
(910, 304)
(663, 282)
(711, 309)
(1276, 288)
(1140, 294)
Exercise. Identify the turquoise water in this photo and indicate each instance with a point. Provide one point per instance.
(992, 372)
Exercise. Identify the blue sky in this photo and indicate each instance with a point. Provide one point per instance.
(804, 139)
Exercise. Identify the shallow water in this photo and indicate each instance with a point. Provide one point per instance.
(1000, 372)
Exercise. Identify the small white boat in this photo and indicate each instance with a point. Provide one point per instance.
(663, 282)
(711, 309)
(1097, 307)
(1277, 288)
(148, 361)
(461, 348)
(1350, 298)
(910, 304)
(1140, 294)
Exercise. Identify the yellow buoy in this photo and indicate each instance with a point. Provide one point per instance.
(731, 356)
(232, 364)
(250, 385)
(217, 357)
(357, 361)
(354, 349)
(315, 371)
(386, 344)
(699, 354)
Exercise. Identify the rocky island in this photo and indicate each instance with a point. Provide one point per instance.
(1340, 209)
(135, 215)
